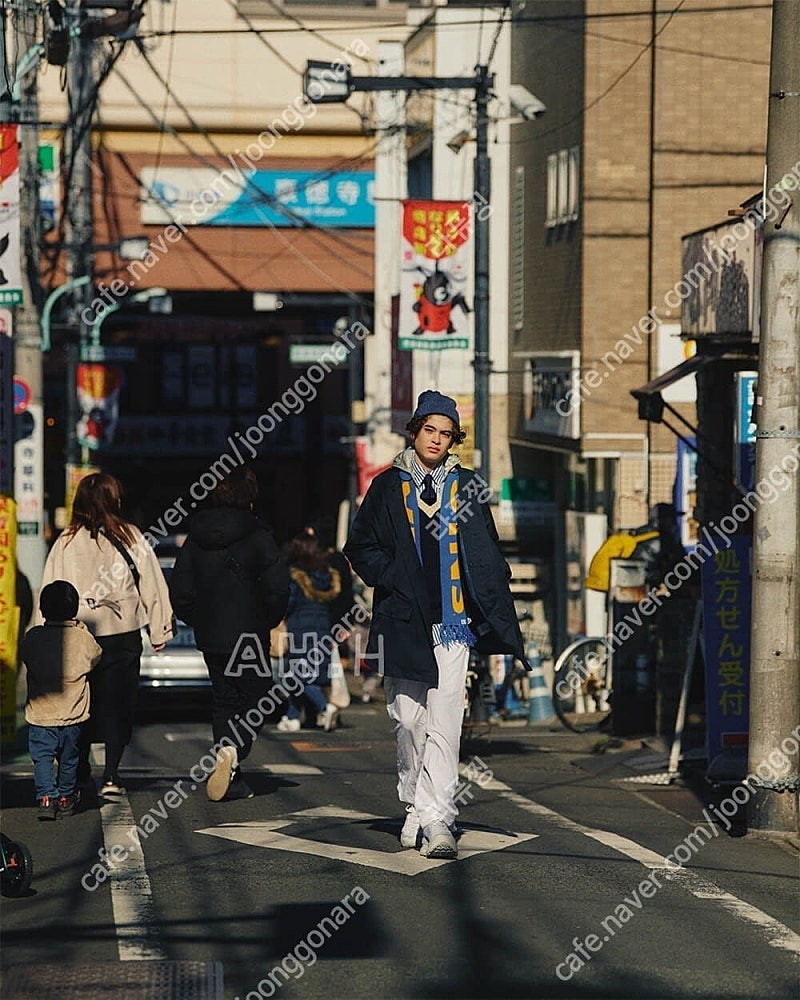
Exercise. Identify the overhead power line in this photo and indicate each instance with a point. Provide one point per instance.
(263, 198)
(260, 197)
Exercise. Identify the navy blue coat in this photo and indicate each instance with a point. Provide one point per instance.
(308, 621)
(382, 552)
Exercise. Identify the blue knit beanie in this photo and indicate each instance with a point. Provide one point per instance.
(431, 401)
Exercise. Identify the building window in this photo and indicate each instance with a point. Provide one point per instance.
(518, 251)
(551, 218)
(573, 183)
(563, 182)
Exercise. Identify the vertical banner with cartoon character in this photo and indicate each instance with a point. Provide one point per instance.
(98, 397)
(436, 258)
(10, 248)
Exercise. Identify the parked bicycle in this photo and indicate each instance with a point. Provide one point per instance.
(583, 684)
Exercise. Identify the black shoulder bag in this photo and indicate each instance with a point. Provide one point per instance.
(126, 556)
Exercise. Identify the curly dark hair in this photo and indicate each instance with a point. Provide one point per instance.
(415, 424)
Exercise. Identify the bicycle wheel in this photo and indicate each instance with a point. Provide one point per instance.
(18, 872)
(582, 684)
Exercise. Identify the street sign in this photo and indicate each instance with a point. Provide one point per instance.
(311, 354)
(28, 473)
(727, 593)
(101, 353)
(22, 395)
(6, 415)
(745, 430)
(10, 244)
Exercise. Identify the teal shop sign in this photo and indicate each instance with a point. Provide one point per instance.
(200, 196)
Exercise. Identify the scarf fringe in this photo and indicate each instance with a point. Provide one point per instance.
(459, 633)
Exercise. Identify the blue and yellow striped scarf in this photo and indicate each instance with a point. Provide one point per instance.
(454, 626)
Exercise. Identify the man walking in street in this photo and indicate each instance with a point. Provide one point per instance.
(425, 539)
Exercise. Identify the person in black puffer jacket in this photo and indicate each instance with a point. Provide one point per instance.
(231, 584)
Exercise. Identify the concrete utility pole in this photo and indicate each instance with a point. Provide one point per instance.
(775, 656)
(31, 546)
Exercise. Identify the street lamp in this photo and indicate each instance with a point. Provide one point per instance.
(146, 295)
(50, 301)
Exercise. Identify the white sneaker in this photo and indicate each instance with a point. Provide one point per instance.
(287, 725)
(409, 835)
(220, 778)
(328, 718)
(438, 841)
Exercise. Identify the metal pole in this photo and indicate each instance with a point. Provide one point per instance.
(651, 242)
(6, 343)
(482, 211)
(775, 643)
(356, 402)
(81, 85)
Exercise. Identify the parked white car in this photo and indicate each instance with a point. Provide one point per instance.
(180, 665)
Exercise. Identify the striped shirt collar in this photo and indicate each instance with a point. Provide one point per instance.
(439, 474)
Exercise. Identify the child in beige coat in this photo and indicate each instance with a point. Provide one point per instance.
(58, 657)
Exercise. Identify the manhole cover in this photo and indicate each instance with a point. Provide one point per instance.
(106, 980)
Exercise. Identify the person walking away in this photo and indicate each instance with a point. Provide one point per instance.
(340, 607)
(121, 589)
(315, 585)
(425, 539)
(58, 657)
(231, 584)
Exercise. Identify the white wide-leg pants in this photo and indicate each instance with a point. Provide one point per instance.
(427, 723)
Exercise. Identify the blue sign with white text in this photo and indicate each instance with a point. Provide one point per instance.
(745, 430)
(238, 197)
(727, 587)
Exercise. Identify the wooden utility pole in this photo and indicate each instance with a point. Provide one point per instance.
(775, 648)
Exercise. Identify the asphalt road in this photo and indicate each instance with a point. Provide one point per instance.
(561, 888)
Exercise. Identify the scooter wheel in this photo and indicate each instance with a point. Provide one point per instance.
(18, 872)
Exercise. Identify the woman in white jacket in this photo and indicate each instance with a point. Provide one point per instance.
(121, 587)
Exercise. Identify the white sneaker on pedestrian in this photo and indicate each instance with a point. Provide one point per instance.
(287, 725)
(409, 835)
(438, 841)
(220, 778)
(328, 718)
(112, 788)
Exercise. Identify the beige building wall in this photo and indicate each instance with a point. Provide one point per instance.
(668, 107)
(207, 84)
(708, 140)
(233, 74)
